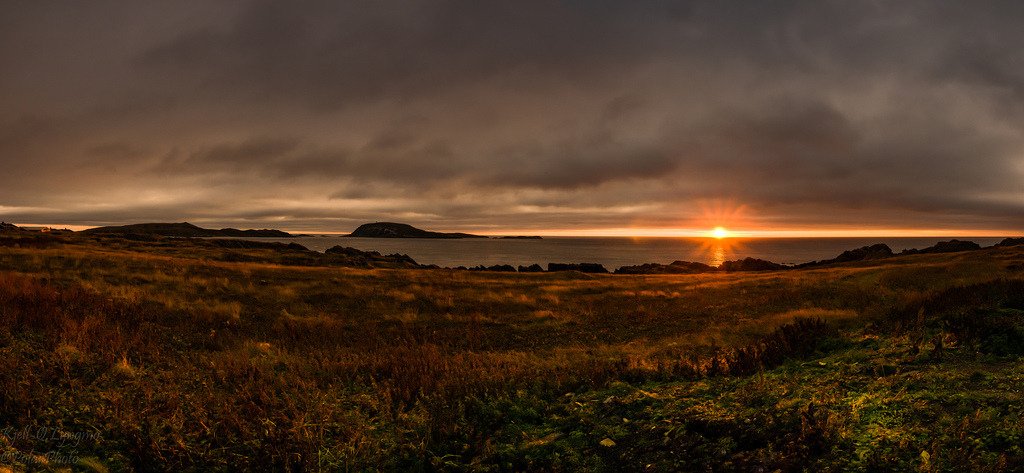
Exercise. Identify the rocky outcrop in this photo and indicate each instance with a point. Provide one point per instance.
(951, 246)
(581, 267)
(8, 227)
(347, 256)
(250, 245)
(864, 253)
(751, 264)
(676, 267)
(876, 251)
(501, 268)
(1011, 242)
(533, 268)
(402, 230)
(263, 233)
(348, 251)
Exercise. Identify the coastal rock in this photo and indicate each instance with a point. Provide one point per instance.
(751, 264)
(533, 268)
(676, 267)
(402, 230)
(501, 268)
(876, 251)
(1011, 242)
(951, 246)
(262, 233)
(249, 244)
(581, 267)
(349, 251)
(864, 253)
(347, 256)
(401, 258)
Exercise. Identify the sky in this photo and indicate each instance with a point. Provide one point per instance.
(528, 116)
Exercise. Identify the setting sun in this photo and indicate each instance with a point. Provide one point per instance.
(720, 233)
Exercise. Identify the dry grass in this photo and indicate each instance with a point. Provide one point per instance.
(193, 363)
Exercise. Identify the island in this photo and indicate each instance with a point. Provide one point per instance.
(403, 230)
(184, 229)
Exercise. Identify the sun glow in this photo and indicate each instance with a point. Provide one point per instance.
(720, 233)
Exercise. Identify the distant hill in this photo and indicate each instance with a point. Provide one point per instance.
(183, 229)
(402, 230)
(9, 227)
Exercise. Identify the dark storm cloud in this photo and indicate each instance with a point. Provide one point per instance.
(328, 54)
(291, 158)
(472, 114)
(254, 153)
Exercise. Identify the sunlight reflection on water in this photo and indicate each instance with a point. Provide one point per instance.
(717, 256)
(717, 251)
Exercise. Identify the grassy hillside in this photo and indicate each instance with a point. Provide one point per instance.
(133, 355)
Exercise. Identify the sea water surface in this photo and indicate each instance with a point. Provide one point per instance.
(612, 252)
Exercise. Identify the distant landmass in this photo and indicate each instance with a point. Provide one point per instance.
(519, 237)
(402, 230)
(184, 229)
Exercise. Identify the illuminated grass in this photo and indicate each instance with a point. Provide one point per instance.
(183, 361)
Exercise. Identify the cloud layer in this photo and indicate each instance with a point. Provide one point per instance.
(467, 114)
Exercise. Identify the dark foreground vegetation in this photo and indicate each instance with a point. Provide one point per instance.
(158, 355)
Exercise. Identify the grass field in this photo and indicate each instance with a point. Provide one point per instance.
(121, 355)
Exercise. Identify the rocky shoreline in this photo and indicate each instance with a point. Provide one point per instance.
(866, 253)
(352, 257)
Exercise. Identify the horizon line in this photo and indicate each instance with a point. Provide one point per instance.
(665, 232)
(783, 233)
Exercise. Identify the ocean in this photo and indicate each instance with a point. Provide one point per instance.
(612, 252)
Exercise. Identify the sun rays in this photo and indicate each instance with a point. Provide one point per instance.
(719, 233)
